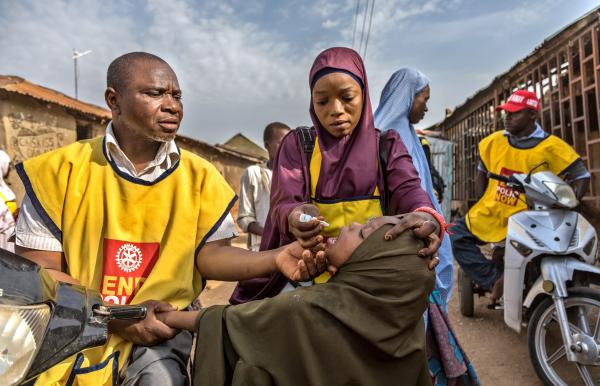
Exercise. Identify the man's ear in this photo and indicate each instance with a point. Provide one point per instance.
(111, 98)
(533, 115)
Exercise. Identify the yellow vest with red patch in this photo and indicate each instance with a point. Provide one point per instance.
(129, 239)
(340, 213)
(488, 218)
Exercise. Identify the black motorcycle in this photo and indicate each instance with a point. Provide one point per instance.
(43, 322)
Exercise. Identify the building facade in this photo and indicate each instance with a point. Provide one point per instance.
(35, 119)
(564, 71)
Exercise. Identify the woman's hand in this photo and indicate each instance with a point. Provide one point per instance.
(299, 264)
(423, 225)
(307, 233)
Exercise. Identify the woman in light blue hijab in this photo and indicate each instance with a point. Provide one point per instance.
(403, 103)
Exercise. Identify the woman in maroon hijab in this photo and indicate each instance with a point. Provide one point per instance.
(345, 175)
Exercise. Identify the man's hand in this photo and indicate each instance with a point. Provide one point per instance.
(146, 332)
(423, 225)
(299, 264)
(306, 232)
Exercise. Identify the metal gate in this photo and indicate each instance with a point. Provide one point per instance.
(564, 72)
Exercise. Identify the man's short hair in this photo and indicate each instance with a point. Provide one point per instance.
(119, 71)
(272, 128)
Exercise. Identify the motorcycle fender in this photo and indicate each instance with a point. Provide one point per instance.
(534, 292)
(513, 297)
(559, 270)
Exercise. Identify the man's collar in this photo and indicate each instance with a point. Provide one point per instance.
(167, 149)
(537, 133)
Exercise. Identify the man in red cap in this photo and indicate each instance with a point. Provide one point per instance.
(519, 148)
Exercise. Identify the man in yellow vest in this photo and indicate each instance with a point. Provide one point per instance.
(522, 146)
(131, 215)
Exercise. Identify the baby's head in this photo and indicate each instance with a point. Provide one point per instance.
(349, 239)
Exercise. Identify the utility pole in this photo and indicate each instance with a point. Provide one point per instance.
(77, 55)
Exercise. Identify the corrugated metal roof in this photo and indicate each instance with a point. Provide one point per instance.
(218, 148)
(239, 143)
(24, 87)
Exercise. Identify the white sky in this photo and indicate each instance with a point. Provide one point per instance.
(244, 63)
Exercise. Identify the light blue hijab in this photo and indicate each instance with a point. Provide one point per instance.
(392, 113)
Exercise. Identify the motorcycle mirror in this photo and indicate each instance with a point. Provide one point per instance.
(528, 178)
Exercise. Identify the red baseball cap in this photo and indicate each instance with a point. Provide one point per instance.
(519, 100)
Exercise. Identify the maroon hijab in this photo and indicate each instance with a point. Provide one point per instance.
(350, 168)
(349, 165)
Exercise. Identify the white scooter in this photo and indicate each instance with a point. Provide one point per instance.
(549, 258)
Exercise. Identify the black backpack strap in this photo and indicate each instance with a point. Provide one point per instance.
(307, 140)
(384, 153)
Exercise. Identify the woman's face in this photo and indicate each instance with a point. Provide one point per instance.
(419, 107)
(349, 239)
(337, 101)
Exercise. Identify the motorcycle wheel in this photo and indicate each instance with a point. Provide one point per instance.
(546, 349)
(465, 292)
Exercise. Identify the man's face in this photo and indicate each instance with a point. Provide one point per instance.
(519, 122)
(149, 105)
(272, 144)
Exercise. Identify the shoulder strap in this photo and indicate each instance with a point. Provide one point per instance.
(307, 140)
(384, 153)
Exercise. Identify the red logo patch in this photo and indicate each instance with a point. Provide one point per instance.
(504, 194)
(126, 267)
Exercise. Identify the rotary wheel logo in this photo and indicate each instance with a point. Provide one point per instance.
(129, 257)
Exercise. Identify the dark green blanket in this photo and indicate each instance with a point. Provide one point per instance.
(364, 327)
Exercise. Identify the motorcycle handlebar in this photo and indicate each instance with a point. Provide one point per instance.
(498, 177)
(121, 312)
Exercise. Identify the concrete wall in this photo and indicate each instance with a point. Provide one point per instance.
(29, 127)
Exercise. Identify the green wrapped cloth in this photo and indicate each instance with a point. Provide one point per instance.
(364, 327)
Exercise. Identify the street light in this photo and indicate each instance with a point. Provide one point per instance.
(77, 55)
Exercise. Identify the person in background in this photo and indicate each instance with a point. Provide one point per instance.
(521, 147)
(436, 179)
(403, 103)
(6, 193)
(8, 205)
(7, 228)
(255, 187)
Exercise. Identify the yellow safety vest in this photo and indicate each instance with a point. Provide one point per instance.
(340, 213)
(11, 204)
(488, 218)
(129, 239)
